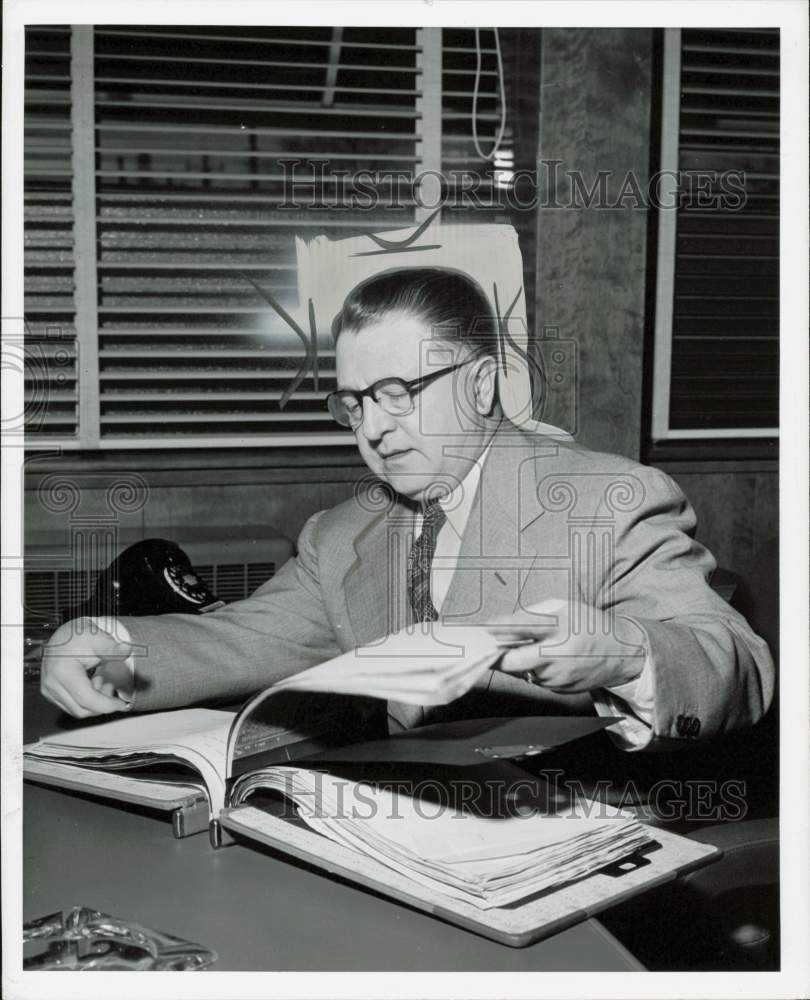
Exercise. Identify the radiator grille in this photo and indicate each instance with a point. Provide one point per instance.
(47, 591)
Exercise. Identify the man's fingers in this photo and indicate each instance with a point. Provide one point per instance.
(62, 698)
(511, 631)
(522, 658)
(75, 649)
(70, 688)
(118, 675)
(96, 703)
(87, 703)
(102, 686)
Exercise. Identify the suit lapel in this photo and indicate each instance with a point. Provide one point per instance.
(375, 589)
(494, 558)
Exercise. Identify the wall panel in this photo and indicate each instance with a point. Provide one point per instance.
(595, 117)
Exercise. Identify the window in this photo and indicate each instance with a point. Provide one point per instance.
(51, 373)
(167, 169)
(716, 372)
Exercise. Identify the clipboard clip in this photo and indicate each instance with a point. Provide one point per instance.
(625, 865)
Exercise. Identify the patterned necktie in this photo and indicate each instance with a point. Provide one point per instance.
(420, 560)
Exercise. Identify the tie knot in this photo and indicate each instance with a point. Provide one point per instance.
(434, 515)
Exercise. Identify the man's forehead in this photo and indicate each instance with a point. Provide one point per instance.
(403, 347)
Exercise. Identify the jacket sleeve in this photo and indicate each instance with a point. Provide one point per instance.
(283, 627)
(710, 673)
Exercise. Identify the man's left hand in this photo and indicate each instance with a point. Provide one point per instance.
(572, 647)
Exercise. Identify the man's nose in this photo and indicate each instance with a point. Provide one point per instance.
(375, 420)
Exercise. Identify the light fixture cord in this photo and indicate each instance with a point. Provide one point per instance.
(502, 93)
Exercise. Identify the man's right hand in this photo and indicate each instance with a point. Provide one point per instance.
(76, 649)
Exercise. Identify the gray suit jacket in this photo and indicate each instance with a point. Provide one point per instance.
(550, 520)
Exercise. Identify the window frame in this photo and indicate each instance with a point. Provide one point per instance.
(667, 224)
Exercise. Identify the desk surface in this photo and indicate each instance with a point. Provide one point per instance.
(258, 912)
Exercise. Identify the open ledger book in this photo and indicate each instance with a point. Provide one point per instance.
(427, 666)
(437, 851)
(200, 751)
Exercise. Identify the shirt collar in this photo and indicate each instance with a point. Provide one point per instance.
(458, 504)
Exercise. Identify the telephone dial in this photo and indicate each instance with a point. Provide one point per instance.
(151, 577)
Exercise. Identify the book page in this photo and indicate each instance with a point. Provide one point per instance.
(426, 664)
(196, 736)
(488, 862)
(137, 731)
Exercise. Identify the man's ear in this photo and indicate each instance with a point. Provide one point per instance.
(485, 382)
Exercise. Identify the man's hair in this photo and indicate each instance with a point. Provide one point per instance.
(452, 304)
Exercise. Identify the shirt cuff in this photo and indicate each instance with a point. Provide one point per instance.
(123, 679)
(633, 700)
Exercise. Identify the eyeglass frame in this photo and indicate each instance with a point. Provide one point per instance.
(412, 387)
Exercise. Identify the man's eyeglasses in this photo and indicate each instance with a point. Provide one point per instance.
(394, 395)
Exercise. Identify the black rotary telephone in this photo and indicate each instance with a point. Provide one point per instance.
(152, 577)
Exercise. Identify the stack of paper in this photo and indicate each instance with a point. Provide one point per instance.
(194, 736)
(486, 862)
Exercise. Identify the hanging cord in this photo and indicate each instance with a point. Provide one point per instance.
(502, 93)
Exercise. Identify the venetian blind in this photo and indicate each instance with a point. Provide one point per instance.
(51, 394)
(213, 149)
(725, 319)
(217, 146)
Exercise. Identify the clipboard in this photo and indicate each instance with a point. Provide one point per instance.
(469, 742)
(515, 926)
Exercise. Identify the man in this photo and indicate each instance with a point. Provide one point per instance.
(588, 559)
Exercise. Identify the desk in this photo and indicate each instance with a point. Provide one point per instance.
(256, 911)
